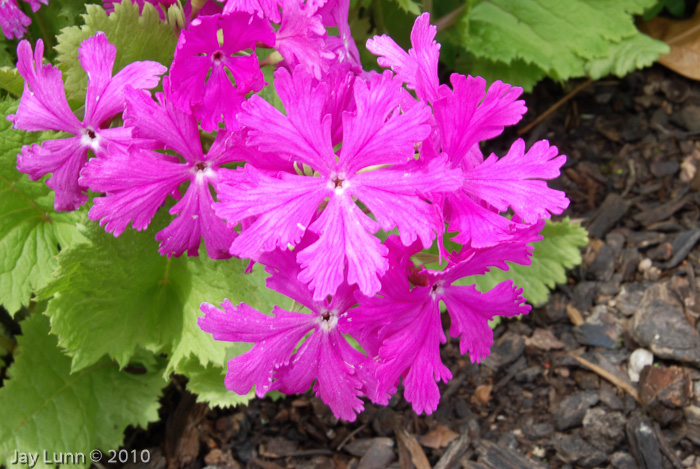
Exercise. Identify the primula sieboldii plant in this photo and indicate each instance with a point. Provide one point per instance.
(338, 186)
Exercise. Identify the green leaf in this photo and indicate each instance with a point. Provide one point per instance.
(46, 407)
(137, 37)
(208, 385)
(557, 36)
(116, 294)
(30, 230)
(558, 251)
(11, 81)
(630, 54)
(409, 6)
(7, 56)
(112, 296)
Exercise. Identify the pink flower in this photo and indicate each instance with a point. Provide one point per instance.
(464, 116)
(13, 21)
(198, 74)
(419, 67)
(335, 15)
(301, 38)
(263, 8)
(137, 182)
(44, 107)
(402, 324)
(340, 374)
(376, 136)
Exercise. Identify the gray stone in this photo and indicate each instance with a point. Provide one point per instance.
(661, 326)
(573, 408)
(604, 430)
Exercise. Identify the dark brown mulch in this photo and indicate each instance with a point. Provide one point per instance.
(556, 391)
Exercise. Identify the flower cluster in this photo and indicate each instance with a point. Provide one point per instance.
(339, 191)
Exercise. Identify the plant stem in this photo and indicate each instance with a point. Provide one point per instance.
(450, 19)
(46, 35)
(378, 16)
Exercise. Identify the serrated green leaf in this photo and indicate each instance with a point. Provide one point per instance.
(629, 54)
(539, 32)
(136, 37)
(11, 81)
(409, 6)
(558, 251)
(116, 294)
(30, 229)
(45, 407)
(208, 385)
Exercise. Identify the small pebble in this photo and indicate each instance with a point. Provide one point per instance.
(638, 360)
(644, 265)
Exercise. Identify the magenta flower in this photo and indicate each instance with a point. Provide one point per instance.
(44, 107)
(335, 15)
(402, 324)
(376, 136)
(464, 116)
(340, 374)
(301, 38)
(419, 67)
(13, 21)
(198, 74)
(263, 8)
(137, 182)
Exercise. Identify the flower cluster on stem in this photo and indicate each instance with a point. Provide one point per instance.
(338, 189)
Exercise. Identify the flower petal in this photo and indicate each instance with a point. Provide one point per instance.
(64, 159)
(514, 181)
(471, 311)
(275, 339)
(376, 133)
(43, 105)
(195, 219)
(394, 197)
(283, 207)
(344, 235)
(305, 132)
(163, 122)
(469, 114)
(135, 186)
(105, 94)
(418, 67)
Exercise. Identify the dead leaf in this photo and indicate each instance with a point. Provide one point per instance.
(438, 438)
(543, 339)
(409, 442)
(482, 394)
(683, 36)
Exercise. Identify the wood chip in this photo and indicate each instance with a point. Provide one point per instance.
(574, 315)
(482, 394)
(408, 441)
(438, 438)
